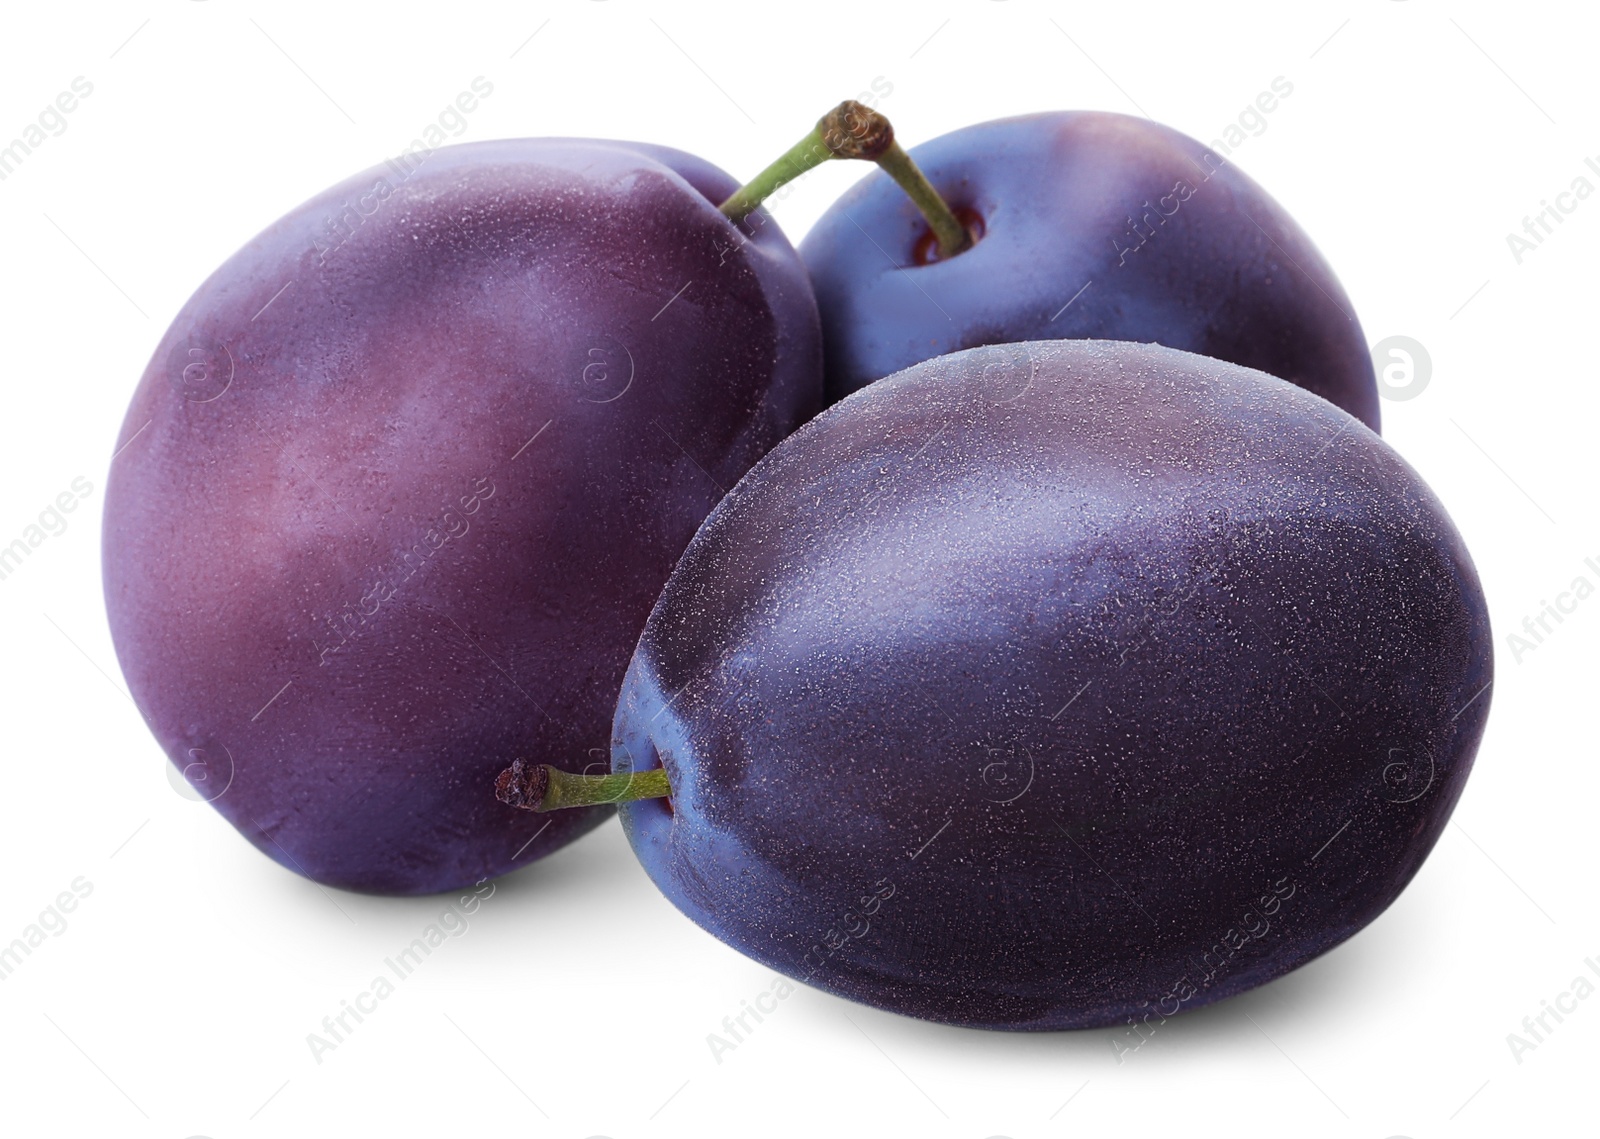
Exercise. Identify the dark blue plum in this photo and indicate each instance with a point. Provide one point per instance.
(1095, 226)
(1048, 686)
(405, 476)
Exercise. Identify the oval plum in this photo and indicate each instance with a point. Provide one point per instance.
(1095, 226)
(403, 479)
(1051, 685)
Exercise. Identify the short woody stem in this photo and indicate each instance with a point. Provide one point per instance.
(854, 130)
(540, 787)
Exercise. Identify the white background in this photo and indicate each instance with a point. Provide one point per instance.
(178, 999)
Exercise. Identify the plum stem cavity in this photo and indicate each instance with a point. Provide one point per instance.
(854, 130)
(540, 787)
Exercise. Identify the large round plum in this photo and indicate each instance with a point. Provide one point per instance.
(1056, 685)
(1095, 226)
(405, 476)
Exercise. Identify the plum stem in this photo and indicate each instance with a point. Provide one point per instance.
(854, 130)
(804, 155)
(540, 787)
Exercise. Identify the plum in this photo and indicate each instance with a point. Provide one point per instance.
(405, 476)
(1057, 685)
(1092, 226)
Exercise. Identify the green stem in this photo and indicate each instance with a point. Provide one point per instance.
(804, 155)
(854, 130)
(951, 234)
(540, 787)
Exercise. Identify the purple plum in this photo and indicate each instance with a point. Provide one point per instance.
(1057, 685)
(406, 474)
(1093, 226)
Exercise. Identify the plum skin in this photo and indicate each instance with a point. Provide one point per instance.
(1057, 686)
(1149, 234)
(424, 481)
